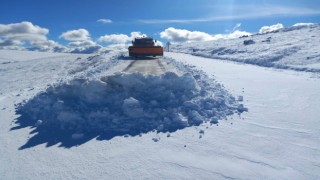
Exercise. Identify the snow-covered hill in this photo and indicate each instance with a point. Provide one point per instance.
(70, 116)
(295, 48)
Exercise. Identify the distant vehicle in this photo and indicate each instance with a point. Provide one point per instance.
(145, 46)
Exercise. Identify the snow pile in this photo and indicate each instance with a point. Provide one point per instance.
(266, 29)
(294, 48)
(127, 104)
(93, 66)
(303, 24)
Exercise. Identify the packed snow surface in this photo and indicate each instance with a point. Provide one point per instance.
(294, 48)
(51, 107)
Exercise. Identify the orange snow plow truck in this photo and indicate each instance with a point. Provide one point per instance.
(145, 46)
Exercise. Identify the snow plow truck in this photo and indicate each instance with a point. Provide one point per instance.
(145, 46)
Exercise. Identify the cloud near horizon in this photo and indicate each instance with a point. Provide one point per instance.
(120, 38)
(115, 38)
(183, 35)
(26, 36)
(75, 35)
(24, 31)
(82, 43)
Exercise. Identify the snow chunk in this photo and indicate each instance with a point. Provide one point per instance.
(248, 42)
(38, 123)
(132, 107)
(156, 139)
(240, 98)
(241, 108)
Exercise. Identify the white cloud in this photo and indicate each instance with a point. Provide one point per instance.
(86, 49)
(303, 24)
(271, 28)
(137, 34)
(23, 31)
(104, 21)
(120, 38)
(47, 43)
(24, 36)
(182, 35)
(233, 35)
(82, 43)
(118, 46)
(76, 35)
(115, 38)
(159, 43)
(46, 46)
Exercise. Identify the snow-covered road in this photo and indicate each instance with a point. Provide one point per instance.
(151, 66)
(277, 139)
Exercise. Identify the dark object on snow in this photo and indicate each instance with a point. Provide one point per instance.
(248, 42)
(244, 36)
(267, 40)
(145, 46)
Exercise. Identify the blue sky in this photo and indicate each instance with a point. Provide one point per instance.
(153, 17)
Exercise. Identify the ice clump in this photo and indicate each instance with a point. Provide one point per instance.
(38, 123)
(132, 108)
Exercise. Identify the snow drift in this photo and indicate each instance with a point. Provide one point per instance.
(123, 104)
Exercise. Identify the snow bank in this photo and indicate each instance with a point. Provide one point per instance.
(295, 48)
(303, 24)
(127, 104)
(266, 29)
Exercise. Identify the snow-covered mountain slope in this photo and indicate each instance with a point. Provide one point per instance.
(289, 48)
(78, 117)
(15, 56)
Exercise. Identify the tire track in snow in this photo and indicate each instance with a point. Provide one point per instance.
(201, 169)
(146, 66)
(129, 66)
(161, 65)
